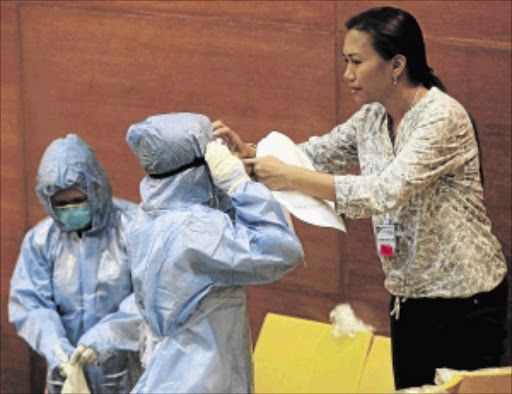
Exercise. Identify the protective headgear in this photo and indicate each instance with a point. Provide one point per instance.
(70, 163)
(75, 217)
(166, 143)
(171, 149)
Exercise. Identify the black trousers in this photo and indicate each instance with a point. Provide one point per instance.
(457, 333)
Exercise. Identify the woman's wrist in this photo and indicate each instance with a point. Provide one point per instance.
(309, 182)
(293, 177)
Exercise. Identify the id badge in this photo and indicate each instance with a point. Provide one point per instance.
(386, 239)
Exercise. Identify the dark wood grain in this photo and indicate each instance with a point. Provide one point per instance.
(95, 67)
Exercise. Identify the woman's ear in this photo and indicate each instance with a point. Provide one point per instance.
(399, 62)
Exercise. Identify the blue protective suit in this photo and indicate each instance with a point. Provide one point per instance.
(190, 260)
(64, 285)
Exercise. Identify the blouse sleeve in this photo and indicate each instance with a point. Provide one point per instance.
(439, 144)
(336, 152)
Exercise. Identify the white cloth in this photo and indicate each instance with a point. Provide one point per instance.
(312, 210)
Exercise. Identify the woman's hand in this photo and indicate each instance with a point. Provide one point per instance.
(277, 175)
(270, 171)
(233, 140)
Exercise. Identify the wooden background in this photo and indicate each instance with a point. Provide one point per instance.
(93, 68)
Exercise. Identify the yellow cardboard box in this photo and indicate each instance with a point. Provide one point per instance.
(295, 355)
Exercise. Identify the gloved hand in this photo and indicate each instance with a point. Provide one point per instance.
(84, 355)
(64, 369)
(72, 372)
(227, 170)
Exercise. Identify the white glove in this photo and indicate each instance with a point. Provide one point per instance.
(84, 355)
(75, 379)
(64, 369)
(227, 170)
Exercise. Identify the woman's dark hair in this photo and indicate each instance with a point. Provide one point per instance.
(396, 32)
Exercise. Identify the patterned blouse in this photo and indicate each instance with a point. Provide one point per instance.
(426, 186)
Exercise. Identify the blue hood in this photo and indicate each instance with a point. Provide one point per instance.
(70, 163)
(166, 143)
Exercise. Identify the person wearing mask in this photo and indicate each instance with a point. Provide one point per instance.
(203, 231)
(71, 295)
(420, 183)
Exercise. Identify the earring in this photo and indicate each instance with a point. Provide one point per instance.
(394, 79)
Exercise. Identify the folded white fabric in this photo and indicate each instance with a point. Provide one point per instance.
(315, 211)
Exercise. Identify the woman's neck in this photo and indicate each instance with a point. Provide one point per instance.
(401, 102)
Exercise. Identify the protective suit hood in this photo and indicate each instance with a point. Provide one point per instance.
(170, 143)
(70, 163)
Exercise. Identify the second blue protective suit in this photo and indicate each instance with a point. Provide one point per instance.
(190, 260)
(64, 285)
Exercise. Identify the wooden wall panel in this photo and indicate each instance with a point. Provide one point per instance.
(472, 20)
(490, 105)
(272, 298)
(95, 67)
(185, 69)
(14, 357)
(361, 272)
(304, 15)
(11, 159)
(320, 274)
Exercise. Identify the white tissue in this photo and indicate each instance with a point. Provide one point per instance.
(345, 322)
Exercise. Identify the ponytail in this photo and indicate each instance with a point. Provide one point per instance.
(431, 79)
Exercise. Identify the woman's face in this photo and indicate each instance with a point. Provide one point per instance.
(369, 76)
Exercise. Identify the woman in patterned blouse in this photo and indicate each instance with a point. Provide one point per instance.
(421, 185)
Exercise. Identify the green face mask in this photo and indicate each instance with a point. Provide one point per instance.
(76, 216)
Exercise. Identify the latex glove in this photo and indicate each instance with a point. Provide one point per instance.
(84, 355)
(64, 369)
(227, 170)
(75, 379)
